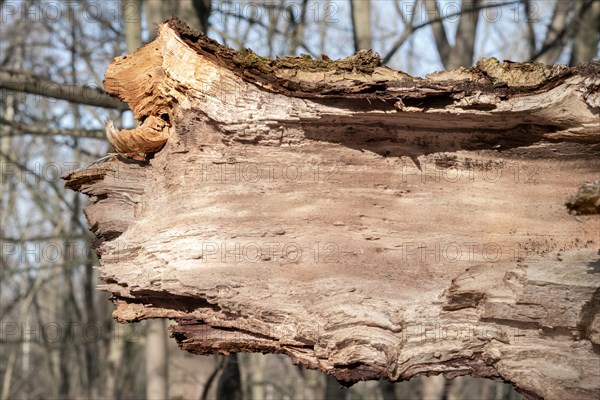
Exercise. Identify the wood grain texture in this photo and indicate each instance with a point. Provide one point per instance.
(364, 222)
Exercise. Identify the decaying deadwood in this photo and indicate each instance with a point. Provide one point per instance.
(362, 221)
(586, 200)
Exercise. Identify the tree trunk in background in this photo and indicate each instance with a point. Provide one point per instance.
(195, 12)
(585, 45)
(203, 10)
(133, 24)
(434, 389)
(333, 390)
(361, 21)
(298, 23)
(387, 390)
(229, 386)
(256, 375)
(114, 358)
(461, 54)
(154, 12)
(93, 351)
(572, 22)
(399, 226)
(464, 47)
(556, 36)
(157, 387)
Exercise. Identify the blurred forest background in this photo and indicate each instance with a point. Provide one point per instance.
(57, 337)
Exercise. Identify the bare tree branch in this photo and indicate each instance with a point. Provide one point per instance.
(461, 54)
(415, 28)
(464, 47)
(558, 35)
(439, 33)
(408, 30)
(530, 31)
(587, 37)
(297, 26)
(82, 94)
(270, 28)
(555, 36)
(37, 130)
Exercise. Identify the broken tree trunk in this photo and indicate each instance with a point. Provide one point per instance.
(364, 222)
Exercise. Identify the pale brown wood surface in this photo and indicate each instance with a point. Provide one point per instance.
(364, 222)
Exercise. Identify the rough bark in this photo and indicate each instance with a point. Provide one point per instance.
(364, 222)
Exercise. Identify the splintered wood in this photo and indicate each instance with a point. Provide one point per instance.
(364, 222)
